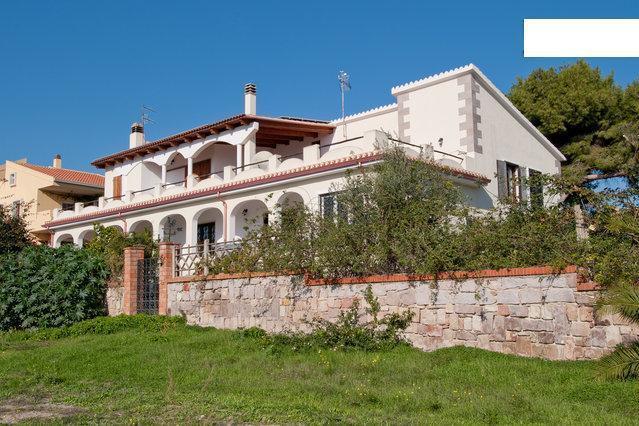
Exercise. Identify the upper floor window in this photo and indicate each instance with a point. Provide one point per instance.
(509, 183)
(12, 179)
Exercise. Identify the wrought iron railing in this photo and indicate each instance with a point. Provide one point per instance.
(195, 260)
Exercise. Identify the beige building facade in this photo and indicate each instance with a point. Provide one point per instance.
(37, 191)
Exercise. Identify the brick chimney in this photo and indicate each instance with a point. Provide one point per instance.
(136, 138)
(57, 161)
(250, 99)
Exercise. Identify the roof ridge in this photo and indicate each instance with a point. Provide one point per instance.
(433, 77)
(61, 168)
(366, 112)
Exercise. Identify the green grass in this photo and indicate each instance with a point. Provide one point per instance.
(187, 375)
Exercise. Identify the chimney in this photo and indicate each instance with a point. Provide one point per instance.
(136, 138)
(250, 99)
(57, 161)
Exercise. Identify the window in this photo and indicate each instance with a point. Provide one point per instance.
(68, 206)
(12, 179)
(206, 231)
(509, 181)
(512, 181)
(330, 206)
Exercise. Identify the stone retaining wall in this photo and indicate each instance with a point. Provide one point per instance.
(115, 299)
(532, 315)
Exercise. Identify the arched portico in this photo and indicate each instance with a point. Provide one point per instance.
(141, 226)
(85, 237)
(173, 229)
(208, 224)
(248, 215)
(63, 239)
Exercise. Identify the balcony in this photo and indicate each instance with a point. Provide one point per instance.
(263, 164)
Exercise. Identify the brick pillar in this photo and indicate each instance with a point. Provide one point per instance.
(167, 256)
(130, 278)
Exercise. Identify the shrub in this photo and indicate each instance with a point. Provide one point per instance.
(14, 235)
(99, 325)
(350, 331)
(404, 216)
(109, 244)
(46, 287)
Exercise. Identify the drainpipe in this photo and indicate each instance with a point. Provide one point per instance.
(225, 218)
(126, 228)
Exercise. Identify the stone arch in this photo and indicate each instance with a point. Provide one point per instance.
(248, 215)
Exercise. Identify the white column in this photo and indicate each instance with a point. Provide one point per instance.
(163, 174)
(190, 231)
(238, 162)
(190, 179)
(250, 148)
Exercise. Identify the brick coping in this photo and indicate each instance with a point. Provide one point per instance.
(582, 284)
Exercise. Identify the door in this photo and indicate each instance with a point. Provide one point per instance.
(202, 169)
(206, 231)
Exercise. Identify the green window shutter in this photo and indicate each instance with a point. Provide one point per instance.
(502, 189)
(523, 184)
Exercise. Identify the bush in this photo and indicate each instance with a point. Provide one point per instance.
(404, 216)
(46, 287)
(14, 235)
(99, 325)
(109, 244)
(348, 332)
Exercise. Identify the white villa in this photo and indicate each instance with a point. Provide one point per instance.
(204, 183)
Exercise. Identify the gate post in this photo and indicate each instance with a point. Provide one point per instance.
(167, 270)
(130, 278)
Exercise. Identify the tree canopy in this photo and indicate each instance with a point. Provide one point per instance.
(589, 117)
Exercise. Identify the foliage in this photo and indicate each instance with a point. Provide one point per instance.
(46, 287)
(109, 244)
(350, 331)
(97, 326)
(586, 115)
(184, 375)
(14, 234)
(403, 216)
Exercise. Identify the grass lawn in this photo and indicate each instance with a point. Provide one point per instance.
(187, 375)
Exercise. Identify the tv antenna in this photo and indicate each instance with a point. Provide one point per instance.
(145, 116)
(344, 86)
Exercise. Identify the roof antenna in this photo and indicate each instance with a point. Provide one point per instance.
(344, 85)
(145, 115)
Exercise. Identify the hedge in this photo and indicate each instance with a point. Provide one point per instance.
(47, 287)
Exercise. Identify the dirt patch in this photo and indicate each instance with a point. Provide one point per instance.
(21, 409)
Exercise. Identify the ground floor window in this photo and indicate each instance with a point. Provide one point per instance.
(331, 207)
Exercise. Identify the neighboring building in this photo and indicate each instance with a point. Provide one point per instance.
(205, 183)
(45, 189)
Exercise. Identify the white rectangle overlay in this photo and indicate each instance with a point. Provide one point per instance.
(581, 38)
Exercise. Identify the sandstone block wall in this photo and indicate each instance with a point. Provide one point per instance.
(539, 315)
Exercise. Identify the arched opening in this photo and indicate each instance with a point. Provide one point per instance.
(86, 237)
(208, 225)
(290, 199)
(140, 227)
(211, 159)
(173, 229)
(142, 178)
(176, 170)
(247, 216)
(63, 240)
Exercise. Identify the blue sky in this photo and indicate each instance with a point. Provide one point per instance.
(74, 74)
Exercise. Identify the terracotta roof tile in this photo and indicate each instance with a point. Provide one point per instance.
(69, 176)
